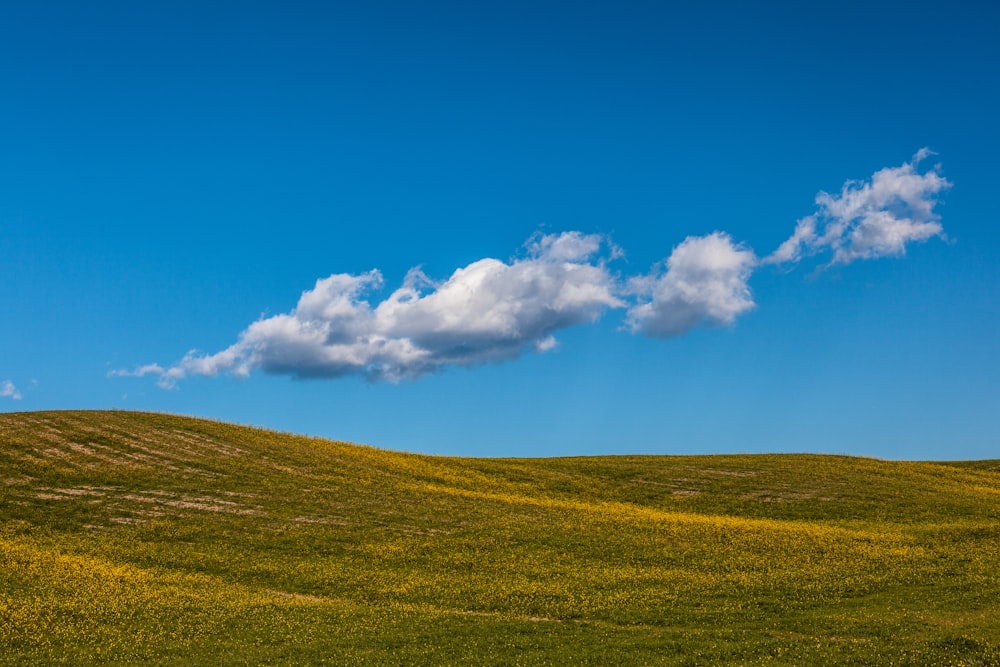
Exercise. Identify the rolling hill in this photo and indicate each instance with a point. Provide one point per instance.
(131, 538)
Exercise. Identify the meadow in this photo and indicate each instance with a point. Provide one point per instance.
(149, 539)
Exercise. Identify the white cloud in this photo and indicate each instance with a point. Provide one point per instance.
(869, 219)
(167, 377)
(492, 311)
(148, 369)
(705, 283)
(488, 311)
(8, 390)
(791, 249)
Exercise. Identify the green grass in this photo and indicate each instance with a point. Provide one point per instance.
(130, 538)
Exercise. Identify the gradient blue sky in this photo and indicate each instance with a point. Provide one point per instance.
(172, 172)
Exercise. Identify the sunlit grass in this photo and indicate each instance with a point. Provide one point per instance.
(132, 538)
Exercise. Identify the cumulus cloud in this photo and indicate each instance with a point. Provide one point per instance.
(869, 219)
(705, 283)
(8, 390)
(492, 311)
(488, 311)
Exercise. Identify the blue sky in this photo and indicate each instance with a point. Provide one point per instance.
(178, 176)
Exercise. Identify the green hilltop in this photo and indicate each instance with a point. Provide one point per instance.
(131, 538)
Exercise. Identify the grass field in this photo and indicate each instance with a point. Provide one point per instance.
(129, 538)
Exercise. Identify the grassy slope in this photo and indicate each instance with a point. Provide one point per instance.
(152, 539)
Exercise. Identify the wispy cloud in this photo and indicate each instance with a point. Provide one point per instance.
(869, 219)
(493, 311)
(167, 378)
(8, 390)
(705, 283)
(485, 312)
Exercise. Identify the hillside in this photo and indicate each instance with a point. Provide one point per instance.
(131, 538)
